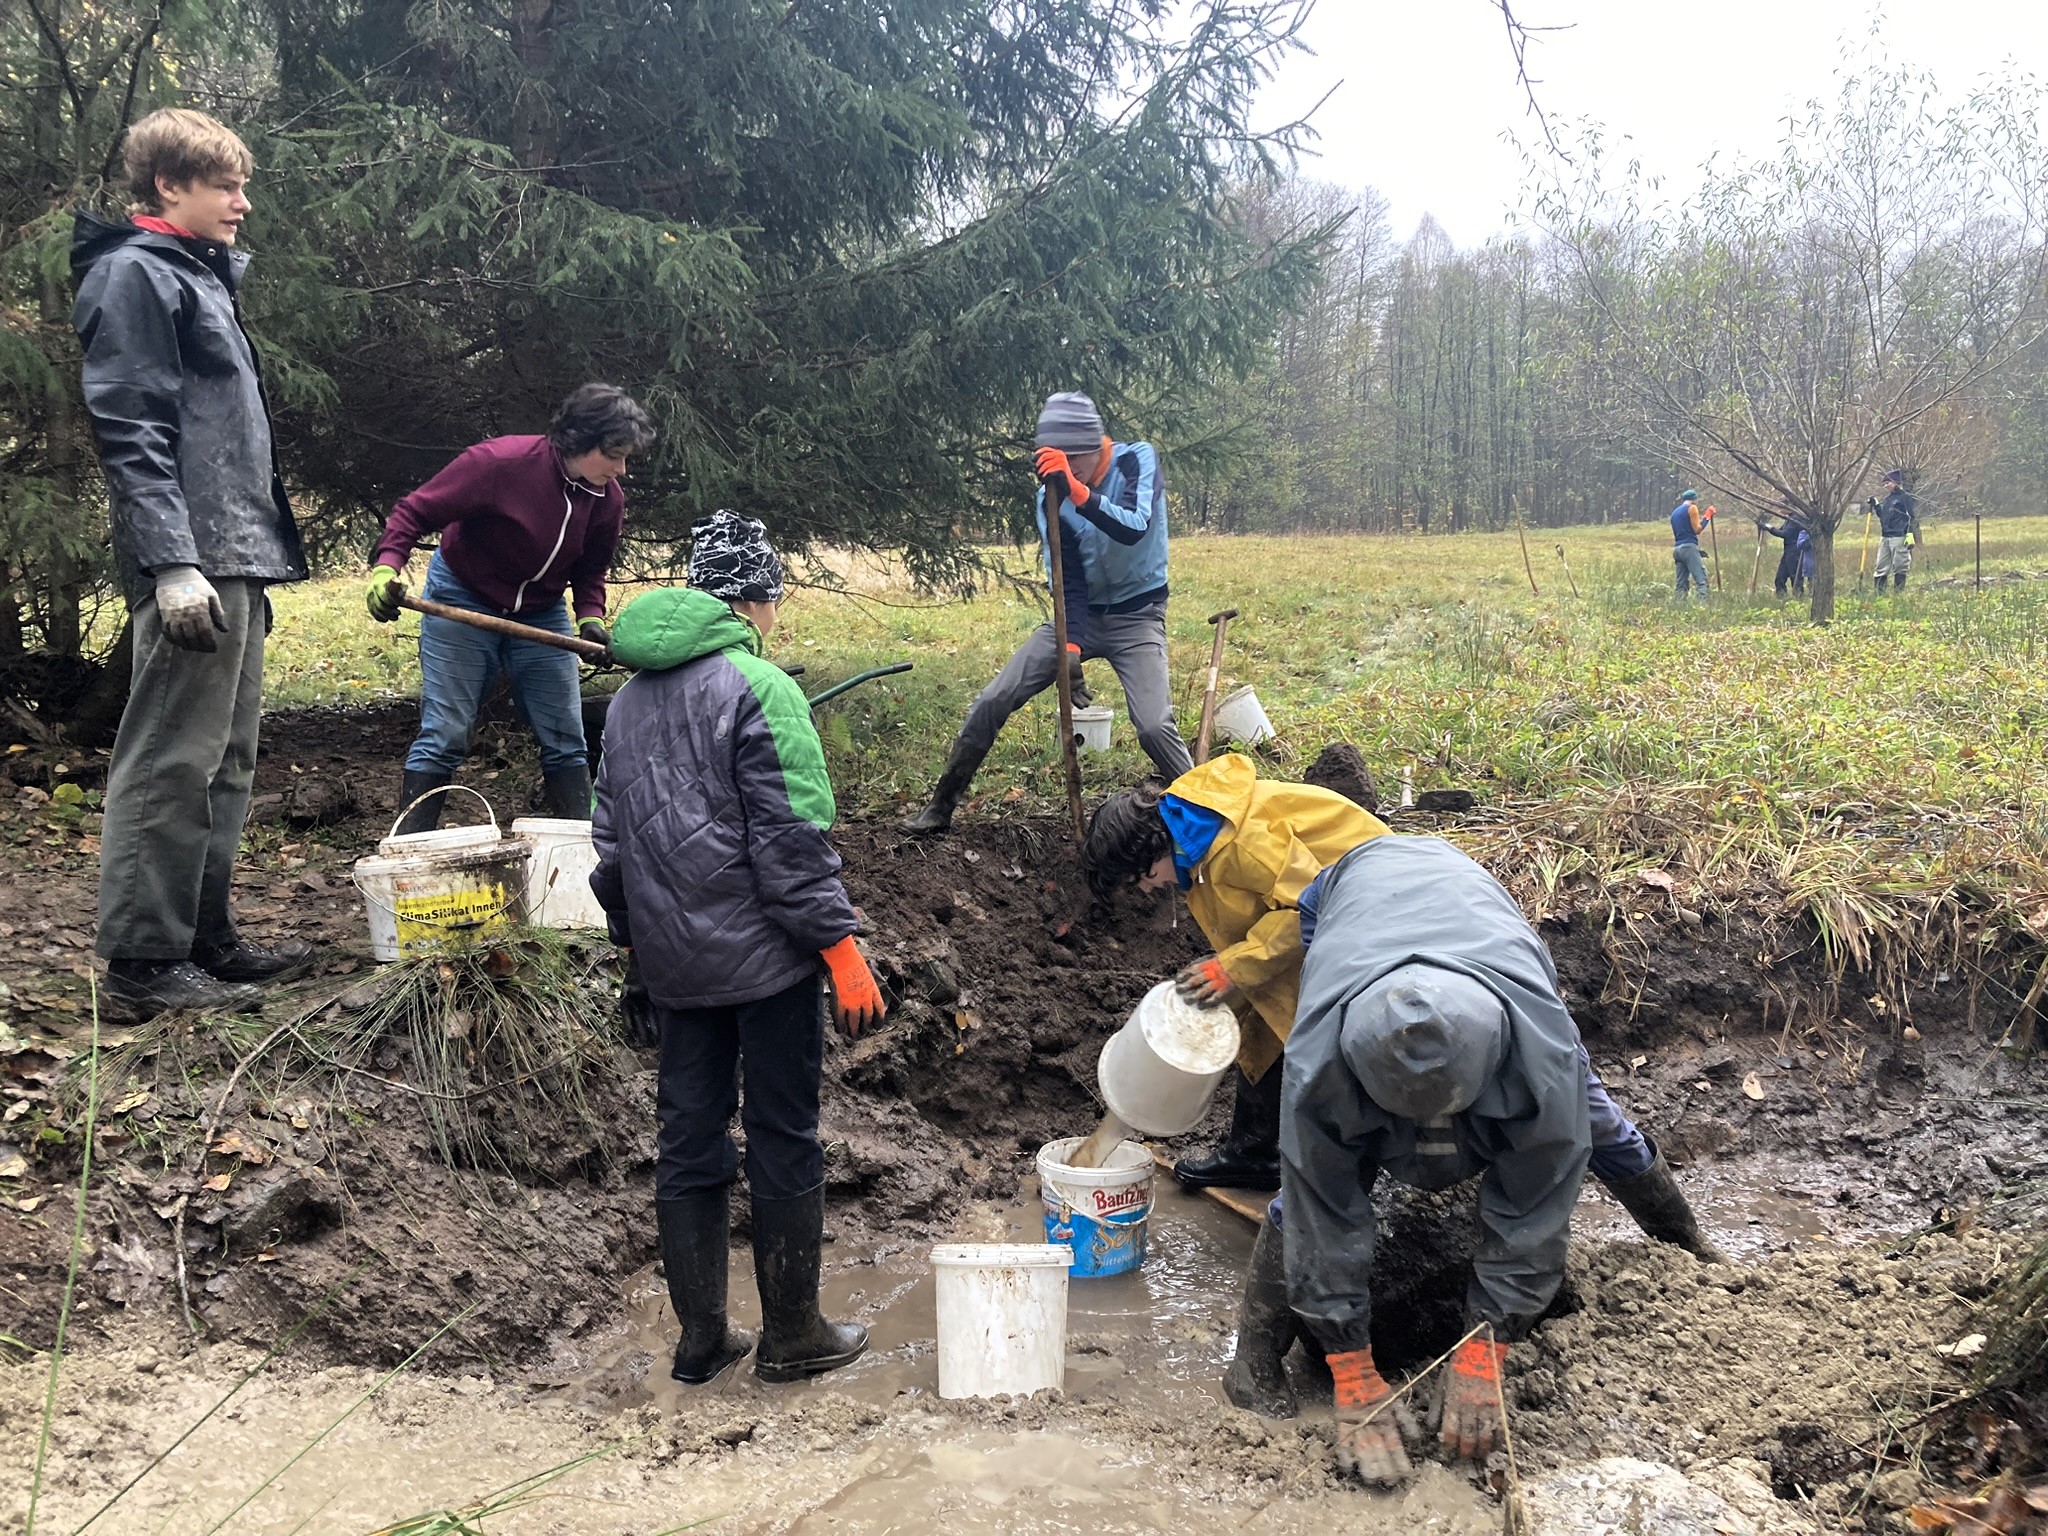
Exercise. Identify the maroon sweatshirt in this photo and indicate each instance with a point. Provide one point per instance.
(518, 529)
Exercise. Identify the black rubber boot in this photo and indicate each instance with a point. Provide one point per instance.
(240, 960)
(696, 1245)
(568, 793)
(796, 1340)
(1660, 1208)
(1257, 1376)
(426, 816)
(142, 989)
(937, 816)
(1899, 582)
(1249, 1157)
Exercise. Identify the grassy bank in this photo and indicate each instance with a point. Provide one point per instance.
(1885, 774)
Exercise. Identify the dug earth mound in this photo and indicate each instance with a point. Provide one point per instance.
(1849, 1157)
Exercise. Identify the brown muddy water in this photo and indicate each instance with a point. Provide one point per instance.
(1140, 1442)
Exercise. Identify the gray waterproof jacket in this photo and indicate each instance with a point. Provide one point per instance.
(177, 405)
(1387, 903)
(712, 811)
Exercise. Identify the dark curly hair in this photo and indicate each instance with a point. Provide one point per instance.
(600, 416)
(1126, 837)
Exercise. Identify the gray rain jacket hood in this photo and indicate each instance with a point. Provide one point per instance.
(1398, 901)
(176, 397)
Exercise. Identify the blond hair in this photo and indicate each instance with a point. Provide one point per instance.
(181, 146)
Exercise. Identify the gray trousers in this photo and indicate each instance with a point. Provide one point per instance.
(178, 789)
(1134, 644)
(1691, 564)
(1894, 558)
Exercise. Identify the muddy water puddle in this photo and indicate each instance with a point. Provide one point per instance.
(1166, 1328)
(1162, 1335)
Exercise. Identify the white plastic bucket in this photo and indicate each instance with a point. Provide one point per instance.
(558, 893)
(419, 901)
(1091, 727)
(1101, 1213)
(1002, 1317)
(1241, 717)
(1157, 1072)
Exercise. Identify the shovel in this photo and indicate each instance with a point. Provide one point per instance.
(589, 650)
(1220, 621)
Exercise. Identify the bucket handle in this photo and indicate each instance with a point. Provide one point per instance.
(442, 789)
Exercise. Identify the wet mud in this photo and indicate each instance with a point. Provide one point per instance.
(1853, 1170)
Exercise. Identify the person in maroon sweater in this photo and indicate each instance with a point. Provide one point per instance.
(521, 519)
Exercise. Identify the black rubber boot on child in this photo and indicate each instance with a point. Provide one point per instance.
(796, 1340)
(696, 1240)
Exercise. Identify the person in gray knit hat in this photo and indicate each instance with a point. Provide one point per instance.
(1111, 504)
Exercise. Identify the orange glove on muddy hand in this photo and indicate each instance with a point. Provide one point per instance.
(1207, 984)
(1055, 468)
(856, 1000)
(1471, 1420)
(1371, 1452)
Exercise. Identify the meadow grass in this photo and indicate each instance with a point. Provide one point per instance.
(1883, 773)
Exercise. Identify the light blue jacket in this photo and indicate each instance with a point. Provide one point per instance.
(1124, 556)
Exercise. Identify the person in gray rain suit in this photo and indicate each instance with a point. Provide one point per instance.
(1432, 1043)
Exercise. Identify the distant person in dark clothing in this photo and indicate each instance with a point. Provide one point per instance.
(1796, 561)
(1898, 526)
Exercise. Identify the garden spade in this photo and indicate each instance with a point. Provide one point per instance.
(1219, 621)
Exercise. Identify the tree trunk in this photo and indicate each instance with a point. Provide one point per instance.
(1823, 592)
(99, 713)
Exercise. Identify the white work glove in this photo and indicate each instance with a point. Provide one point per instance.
(189, 607)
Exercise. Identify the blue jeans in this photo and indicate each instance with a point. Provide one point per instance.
(458, 664)
(1690, 563)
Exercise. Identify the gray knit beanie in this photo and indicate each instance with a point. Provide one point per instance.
(1070, 423)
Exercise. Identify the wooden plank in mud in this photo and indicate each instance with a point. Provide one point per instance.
(1249, 1203)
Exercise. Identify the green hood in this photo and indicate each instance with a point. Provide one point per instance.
(672, 625)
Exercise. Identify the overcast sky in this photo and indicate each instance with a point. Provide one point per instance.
(1426, 89)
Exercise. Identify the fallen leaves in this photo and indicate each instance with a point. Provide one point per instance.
(1969, 1345)
(2003, 1511)
(1753, 1087)
(234, 1144)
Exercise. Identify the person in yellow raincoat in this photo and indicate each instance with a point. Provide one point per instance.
(1243, 849)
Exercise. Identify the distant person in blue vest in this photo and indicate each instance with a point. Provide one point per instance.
(1687, 523)
(1898, 527)
(1111, 500)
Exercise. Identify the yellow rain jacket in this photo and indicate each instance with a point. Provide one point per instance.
(1275, 839)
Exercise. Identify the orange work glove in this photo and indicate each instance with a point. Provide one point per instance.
(1707, 516)
(1207, 984)
(1471, 1418)
(1055, 470)
(856, 1000)
(1370, 1451)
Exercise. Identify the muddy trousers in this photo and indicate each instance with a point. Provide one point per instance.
(178, 787)
(1894, 560)
(1134, 644)
(775, 1047)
